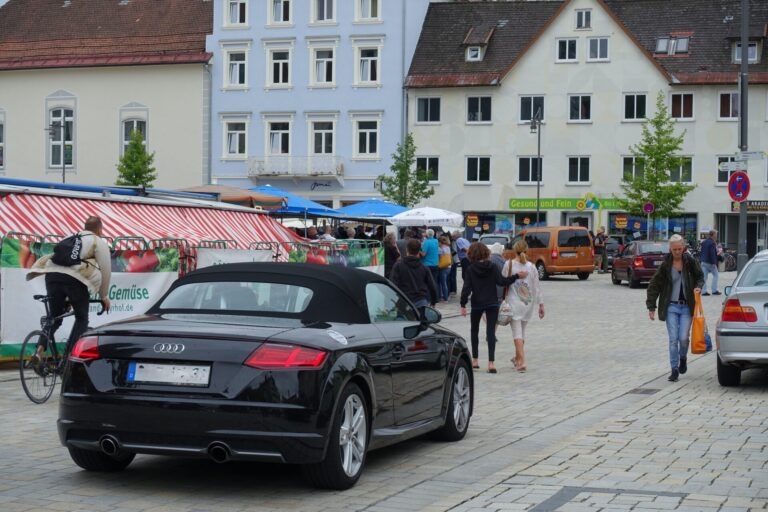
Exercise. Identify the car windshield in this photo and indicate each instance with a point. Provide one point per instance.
(653, 248)
(755, 274)
(490, 240)
(239, 296)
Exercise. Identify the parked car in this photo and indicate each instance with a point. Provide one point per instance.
(560, 250)
(490, 239)
(612, 247)
(638, 262)
(278, 362)
(742, 329)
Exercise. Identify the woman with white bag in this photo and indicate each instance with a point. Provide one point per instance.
(523, 297)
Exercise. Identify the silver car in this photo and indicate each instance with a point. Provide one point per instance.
(742, 330)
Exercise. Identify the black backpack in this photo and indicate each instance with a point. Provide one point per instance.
(67, 252)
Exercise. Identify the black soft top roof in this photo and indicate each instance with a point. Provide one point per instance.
(339, 292)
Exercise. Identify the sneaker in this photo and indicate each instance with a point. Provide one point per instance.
(674, 375)
(706, 294)
(683, 365)
(716, 293)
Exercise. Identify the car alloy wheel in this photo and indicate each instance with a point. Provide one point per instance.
(461, 399)
(353, 435)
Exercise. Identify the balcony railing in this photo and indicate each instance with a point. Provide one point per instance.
(308, 167)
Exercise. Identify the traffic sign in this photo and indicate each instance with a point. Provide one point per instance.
(738, 186)
(733, 166)
(649, 208)
(750, 155)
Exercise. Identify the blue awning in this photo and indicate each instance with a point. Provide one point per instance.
(371, 209)
(297, 205)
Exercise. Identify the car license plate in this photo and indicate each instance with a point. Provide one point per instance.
(657, 263)
(568, 254)
(179, 374)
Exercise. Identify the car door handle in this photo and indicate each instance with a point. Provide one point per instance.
(398, 351)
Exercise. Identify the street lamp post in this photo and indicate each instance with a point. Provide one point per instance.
(536, 128)
(57, 128)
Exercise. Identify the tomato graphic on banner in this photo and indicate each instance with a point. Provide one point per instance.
(637, 225)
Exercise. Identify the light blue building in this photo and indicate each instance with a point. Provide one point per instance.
(308, 94)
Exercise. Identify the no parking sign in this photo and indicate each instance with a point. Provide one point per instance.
(738, 186)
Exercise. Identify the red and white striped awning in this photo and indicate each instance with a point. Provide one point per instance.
(53, 214)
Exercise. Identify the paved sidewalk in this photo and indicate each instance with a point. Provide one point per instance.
(593, 425)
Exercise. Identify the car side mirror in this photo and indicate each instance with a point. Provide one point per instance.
(727, 290)
(412, 331)
(431, 316)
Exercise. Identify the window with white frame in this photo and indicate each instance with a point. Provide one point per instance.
(2, 142)
(671, 45)
(237, 12)
(236, 71)
(529, 106)
(566, 50)
(683, 173)
(366, 138)
(130, 126)
(578, 169)
(368, 10)
(478, 169)
(428, 110)
(323, 11)
(724, 176)
(368, 65)
(682, 105)
(598, 49)
(528, 169)
(279, 141)
(429, 165)
(323, 67)
(235, 138)
(279, 12)
(323, 137)
(729, 106)
(753, 54)
(580, 107)
(279, 67)
(633, 167)
(583, 19)
(479, 109)
(61, 150)
(634, 107)
(474, 54)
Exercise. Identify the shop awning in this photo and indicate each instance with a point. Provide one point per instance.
(44, 214)
(241, 196)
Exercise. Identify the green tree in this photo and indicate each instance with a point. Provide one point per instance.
(657, 156)
(135, 166)
(406, 185)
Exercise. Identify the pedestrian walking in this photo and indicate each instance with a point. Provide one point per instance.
(709, 262)
(480, 282)
(391, 254)
(462, 247)
(455, 262)
(497, 258)
(673, 287)
(444, 266)
(601, 258)
(430, 254)
(413, 278)
(524, 297)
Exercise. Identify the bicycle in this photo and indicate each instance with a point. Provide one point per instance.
(38, 380)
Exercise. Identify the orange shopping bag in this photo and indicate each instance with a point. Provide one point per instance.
(698, 328)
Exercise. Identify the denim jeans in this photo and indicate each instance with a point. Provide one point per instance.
(452, 279)
(491, 316)
(443, 290)
(709, 268)
(678, 329)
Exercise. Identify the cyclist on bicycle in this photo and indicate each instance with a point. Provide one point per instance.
(71, 285)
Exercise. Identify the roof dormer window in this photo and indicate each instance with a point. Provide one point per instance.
(474, 54)
(753, 54)
(671, 45)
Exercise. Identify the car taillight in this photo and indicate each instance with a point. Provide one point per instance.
(593, 251)
(733, 311)
(272, 356)
(638, 261)
(554, 254)
(85, 349)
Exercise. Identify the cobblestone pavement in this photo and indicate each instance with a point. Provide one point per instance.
(593, 425)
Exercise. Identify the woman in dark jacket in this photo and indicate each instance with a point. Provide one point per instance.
(674, 287)
(391, 254)
(480, 283)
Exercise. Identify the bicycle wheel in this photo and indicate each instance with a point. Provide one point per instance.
(38, 380)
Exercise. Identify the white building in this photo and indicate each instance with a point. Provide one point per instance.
(482, 70)
(103, 69)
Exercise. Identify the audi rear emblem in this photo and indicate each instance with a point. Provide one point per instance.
(169, 348)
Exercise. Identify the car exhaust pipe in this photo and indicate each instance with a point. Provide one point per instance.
(219, 452)
(109, 445)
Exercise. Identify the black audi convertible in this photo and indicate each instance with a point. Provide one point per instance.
(279, 362)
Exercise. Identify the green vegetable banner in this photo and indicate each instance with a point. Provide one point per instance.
(357, 257)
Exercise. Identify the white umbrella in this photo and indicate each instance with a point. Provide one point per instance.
(427, 216)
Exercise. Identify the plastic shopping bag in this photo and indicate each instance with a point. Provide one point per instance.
(505, 314)
(698, 328)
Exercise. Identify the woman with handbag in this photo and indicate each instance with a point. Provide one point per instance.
(674, 286)
(522, 297)
(444, 267)
(480, 283)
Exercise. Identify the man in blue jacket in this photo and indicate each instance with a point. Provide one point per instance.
(709, 262)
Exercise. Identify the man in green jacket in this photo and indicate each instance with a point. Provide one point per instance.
(674, 287)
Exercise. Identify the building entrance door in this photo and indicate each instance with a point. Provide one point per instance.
(577, 219)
